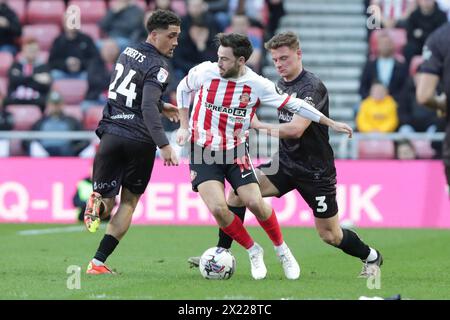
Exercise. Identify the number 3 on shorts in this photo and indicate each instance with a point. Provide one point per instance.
(321, 205)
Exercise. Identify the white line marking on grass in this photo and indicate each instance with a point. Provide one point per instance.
(36, 232)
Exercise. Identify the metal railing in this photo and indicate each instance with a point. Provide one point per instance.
(345, 148)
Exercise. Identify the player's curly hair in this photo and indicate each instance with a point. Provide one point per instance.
(240, 44)
(288, 39)
(162, 19)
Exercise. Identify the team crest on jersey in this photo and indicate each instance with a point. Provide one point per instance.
(278, 90)
(162, 76)
(193, 175)
(244, 98)
(310, 101)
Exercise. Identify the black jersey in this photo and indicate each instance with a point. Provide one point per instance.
(135, 67)
(436, 54)
(310, 157)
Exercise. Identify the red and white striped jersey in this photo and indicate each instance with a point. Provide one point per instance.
(223, 107)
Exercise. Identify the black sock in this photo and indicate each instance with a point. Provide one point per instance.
(106, 247)
(225, 240)
(351, 244)
(447, 174)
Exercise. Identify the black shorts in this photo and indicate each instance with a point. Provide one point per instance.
(122, 162)
(320, 195)
(233, 165)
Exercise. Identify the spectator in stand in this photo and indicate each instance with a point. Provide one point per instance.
(386, 68)
(219, 8)
(444, 5)
(29, 77)
(71, 53)
(6, 124)
(420, 24)
(56, 120)
(10, 28)
(394, 13)
(276, 12)
(123, 23)
(405, 150)
(253, 9)
(378, 112)
(197, 10)
(415, 117)
(99, 74)
(241, 24)
(194, 47)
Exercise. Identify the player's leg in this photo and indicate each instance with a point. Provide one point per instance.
(236, 205)
(321, 197)
(446, 157)
(213, 194)
(252, 198)
(137, 159)
(106, 179)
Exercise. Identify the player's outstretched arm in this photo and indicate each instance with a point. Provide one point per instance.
(289, 130)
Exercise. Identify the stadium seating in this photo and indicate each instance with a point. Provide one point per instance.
(24, 115)
(72, 90)
(74, 111)
(19, 7)
(91, 11)
(423, 149)
(45, 11)
(92, 117)
(376, 149)
(16, 148)
(45, 34)
(6, 60)
(398, 36)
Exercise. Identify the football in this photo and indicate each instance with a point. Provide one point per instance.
(217, 264)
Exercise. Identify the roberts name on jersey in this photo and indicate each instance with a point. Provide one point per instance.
(135, 67)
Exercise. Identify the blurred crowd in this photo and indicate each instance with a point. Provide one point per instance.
(57, 57)
(389, 77)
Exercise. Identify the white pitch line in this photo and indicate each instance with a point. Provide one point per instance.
(35, 232)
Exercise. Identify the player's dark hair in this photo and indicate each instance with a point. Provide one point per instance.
(288, 39)
(240, 44)
(162, 19)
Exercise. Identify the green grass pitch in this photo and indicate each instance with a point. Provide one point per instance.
(151, 264)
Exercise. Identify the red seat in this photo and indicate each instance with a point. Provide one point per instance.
(416, 61)
(376, 149)
(92, 117)
(3, 86)
(74, 111)
(6, 60)
(25, 116)
(92, 30)
(72, 90)
(19, 7)
(91, 11)
(45, 11)
(16, 148)
(423, 149)
(398, 36)
(45, 34)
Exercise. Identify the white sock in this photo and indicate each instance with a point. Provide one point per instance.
(281, 248)
(372, 255)
(253, 248)
(97, 262)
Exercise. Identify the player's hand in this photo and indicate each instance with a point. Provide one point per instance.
(255, 122)
(169, 156)
(342, 127)
(171, 112)
(182, 136)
